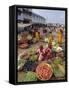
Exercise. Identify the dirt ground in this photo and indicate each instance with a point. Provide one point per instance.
(35, 46)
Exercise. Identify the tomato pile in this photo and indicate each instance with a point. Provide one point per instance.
(44, 71)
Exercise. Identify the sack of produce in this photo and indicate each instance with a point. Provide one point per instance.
(20, 67)
(21, 64)
(59, 49)
(29, 37)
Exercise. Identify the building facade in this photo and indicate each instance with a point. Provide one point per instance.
(27, 16)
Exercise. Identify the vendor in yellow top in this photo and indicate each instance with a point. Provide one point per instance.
(37, 35)
(60, 36)
(50, 38)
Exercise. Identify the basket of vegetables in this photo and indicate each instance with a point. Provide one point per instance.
(44, 71)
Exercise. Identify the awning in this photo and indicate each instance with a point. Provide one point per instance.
(21, 25)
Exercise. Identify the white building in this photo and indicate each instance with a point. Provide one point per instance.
(27, 16)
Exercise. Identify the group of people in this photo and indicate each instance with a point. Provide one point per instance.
(47, 53)
(44, 54)
(59, 36)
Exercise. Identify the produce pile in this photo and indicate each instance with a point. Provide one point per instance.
(34, 70)
(30, 76)
(43, 58)
(44, 71)
(29, 66)
(58, 68)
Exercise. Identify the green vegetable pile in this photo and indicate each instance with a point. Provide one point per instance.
(30, 76)
(57, 60)
(34, 57)
(21, 62)
(58, 68)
